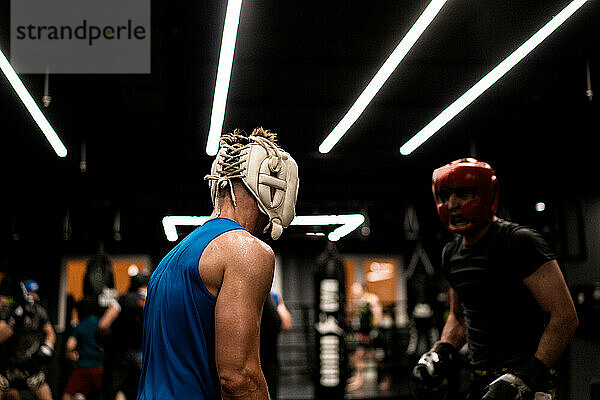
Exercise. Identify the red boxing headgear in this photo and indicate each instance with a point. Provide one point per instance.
(467, 173)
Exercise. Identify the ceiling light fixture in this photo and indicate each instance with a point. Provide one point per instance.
(382, 75)
(470, 95)
(171, 222)
(32, 107)
(232, 20)
(348, 222)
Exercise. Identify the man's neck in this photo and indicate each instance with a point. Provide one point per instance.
(247, 215)
(475, 236)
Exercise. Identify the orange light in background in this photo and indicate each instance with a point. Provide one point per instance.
(380, 271)
(349, 273)
(380, 276)
(123, 267)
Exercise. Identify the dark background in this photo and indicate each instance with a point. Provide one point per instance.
(298, 67)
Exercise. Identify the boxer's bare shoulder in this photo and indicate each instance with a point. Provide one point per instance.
(236, 249)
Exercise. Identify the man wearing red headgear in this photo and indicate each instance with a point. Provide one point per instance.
(508, 298)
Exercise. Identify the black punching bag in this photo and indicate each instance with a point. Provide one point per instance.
(330, 290)
(98, 276)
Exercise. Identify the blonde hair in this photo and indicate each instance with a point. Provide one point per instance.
(239, 138)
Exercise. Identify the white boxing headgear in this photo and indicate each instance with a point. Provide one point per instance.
(268, 172)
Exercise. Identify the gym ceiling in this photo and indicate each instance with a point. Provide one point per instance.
(297, 69)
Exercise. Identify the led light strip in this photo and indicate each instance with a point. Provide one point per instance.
(171, 222)
(470, 95)
(32, 107)
(382, 75)
(348, 222)
(232, 20)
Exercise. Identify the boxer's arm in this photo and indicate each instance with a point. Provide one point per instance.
(284, 314)
(435, 366)
(5, 331)
(70, 349)
(7, 320)
(548, 286)
(50, 336)
(109, 316)
(247, 276)
(455, 330)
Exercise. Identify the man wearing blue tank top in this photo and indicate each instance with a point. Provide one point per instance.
(203, 309)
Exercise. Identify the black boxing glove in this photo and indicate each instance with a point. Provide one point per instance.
(429, 378)
(45, 352)
(530, 379)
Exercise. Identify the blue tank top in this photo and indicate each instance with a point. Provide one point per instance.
(179, 323)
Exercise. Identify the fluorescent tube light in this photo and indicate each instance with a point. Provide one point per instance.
(170, 224)
(348, 222)
(232, 20)
(382, 75)
(32, 107)
(470, 95)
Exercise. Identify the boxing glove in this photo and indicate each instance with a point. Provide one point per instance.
(16, 317)
(429, 378)
(528, 381)
(45, 352)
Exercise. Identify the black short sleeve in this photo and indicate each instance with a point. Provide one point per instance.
(446, 254)
(530, 250)
(43, 314)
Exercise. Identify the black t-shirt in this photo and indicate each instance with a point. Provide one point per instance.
(28, 334)
(127, 330)
(504, 321)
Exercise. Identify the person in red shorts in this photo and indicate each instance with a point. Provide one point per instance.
(81, 348)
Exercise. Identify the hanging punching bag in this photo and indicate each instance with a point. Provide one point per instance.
(330, 289)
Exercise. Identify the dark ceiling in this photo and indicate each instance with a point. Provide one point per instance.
(298, 67)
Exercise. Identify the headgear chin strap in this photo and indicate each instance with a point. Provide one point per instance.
(467, 173)
(268, 172)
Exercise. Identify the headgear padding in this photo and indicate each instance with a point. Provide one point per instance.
(268, 172)
(467, 173)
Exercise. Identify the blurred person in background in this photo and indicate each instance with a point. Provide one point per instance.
(27, 340)
(367, 313)
(276, 318)
(282, 310)
(83, 351)
(121, 329)
(6, 303)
